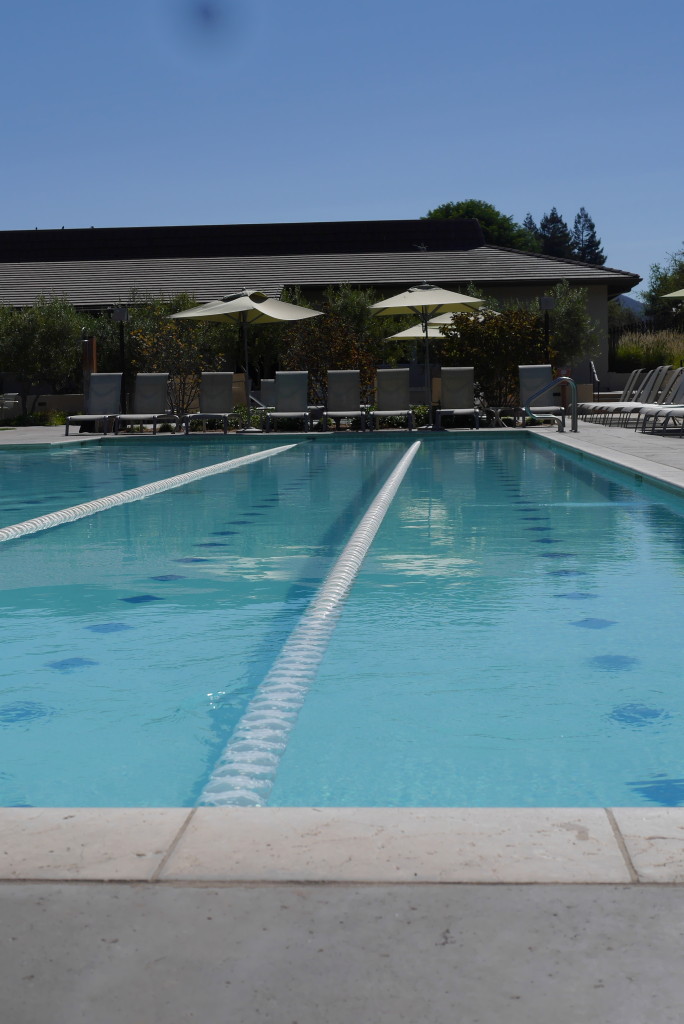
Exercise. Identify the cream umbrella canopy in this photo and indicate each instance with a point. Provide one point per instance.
(674, 295)
(247, 307)
(435, 324)
(426, 301)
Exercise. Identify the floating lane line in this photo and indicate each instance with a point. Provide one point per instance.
(90, 508)
(245, 772)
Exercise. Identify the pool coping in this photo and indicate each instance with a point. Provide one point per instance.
(240, 845)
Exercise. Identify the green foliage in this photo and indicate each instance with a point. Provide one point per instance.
(585, 242)
(348, 337)
(574, 335)
(498, 228)
(495, 345)
(181, 348)
(41, 344)
(649, 349)
(663, 278)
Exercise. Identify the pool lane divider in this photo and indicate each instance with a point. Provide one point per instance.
(246, 771)
(90, 508)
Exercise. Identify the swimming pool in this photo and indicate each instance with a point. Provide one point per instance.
(511, 638)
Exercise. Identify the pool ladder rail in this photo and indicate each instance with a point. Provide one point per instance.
(560, 420)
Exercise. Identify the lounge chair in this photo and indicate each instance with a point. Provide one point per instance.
(215, 401)
(669, 407)
(458, 395)
(653, 385)
(532, 378)
(392, 396)
(290, 400)
(103, 403)
(344, 398)
(150, 402)
(586, 410)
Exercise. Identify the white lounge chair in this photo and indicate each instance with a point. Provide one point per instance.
(290, 400)
(103, 403)
(458, 395)
(150, 402)
(392, 396)
(344, 398)
(215, 400)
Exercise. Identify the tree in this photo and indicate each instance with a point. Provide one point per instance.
(586, 244)
(574, 335)
(497, 227)
(181, 348)
(663, 278)
(555, 236)
(41, 344)
(495, 345)
(349, 335)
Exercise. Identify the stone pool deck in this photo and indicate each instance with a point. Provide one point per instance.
(330, 916)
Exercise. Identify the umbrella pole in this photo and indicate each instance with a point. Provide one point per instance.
(428, 392)
(243, 330)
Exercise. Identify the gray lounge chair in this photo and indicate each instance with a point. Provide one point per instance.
(392, 396)
(344, 398)
(291, 389)
(458, 395)
(669, 406)
(150, 402)
(586, 410)
(655, 384)
(532, 378)
(103, 403)
(215, 400)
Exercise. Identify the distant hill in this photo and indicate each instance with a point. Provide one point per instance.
(629, 303)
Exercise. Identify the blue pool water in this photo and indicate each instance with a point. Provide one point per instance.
(512, 638)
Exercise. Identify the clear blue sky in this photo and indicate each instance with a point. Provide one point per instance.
(141, 112)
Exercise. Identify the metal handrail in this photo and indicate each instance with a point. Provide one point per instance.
(560, 420)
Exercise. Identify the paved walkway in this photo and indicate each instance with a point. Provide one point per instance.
(307, 916)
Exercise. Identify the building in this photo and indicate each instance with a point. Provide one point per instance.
(98, 267)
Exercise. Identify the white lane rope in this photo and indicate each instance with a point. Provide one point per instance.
(245, 772)
(90, 508)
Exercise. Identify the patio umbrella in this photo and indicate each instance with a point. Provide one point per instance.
(247, 307)
(416, 332)
(426, 301)
(674, 295)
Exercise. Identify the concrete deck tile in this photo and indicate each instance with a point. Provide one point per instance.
(654, 839)
(398, 845)
(77, 844)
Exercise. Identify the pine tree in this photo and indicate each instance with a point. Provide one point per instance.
(530, 225)
(584, 240)
(555, 236)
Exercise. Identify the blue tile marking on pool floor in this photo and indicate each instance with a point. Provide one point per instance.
(141, 599)
(169, 577)
(578, 595)
(69, 664)
(614, 662)
(190, 559)
(108, 627)
(590, 623)
(23, 711)
(638, 715)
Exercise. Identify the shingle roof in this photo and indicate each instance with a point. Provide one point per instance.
(97, 283)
